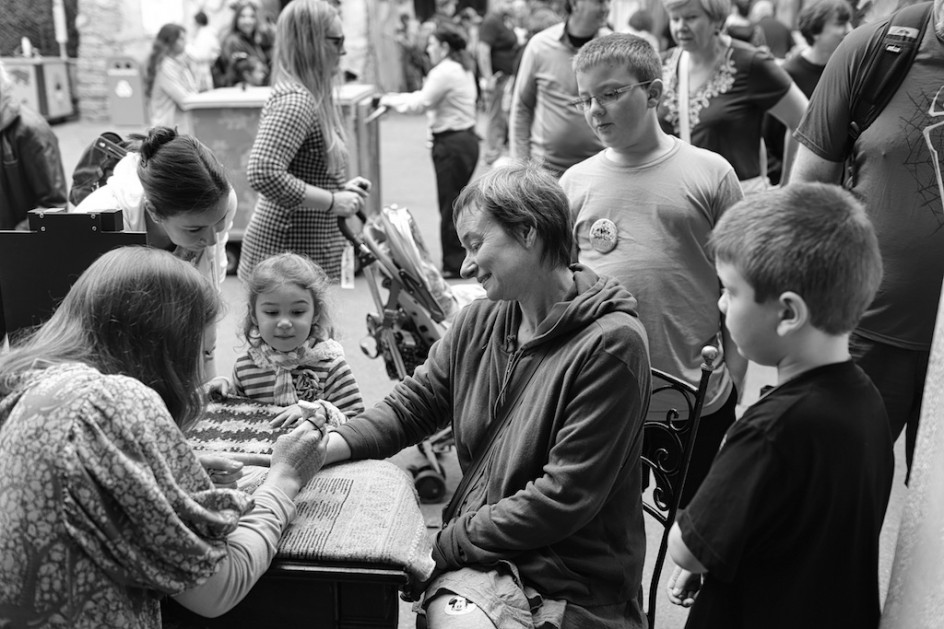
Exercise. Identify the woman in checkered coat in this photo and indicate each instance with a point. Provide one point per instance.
(298, 160)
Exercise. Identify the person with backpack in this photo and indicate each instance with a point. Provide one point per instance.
(892, 164)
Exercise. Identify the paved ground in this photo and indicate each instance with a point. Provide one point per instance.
(408, 180)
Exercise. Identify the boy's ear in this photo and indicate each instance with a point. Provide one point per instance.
(793, 313)
(654, 93)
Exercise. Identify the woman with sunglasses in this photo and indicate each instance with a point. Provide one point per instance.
(299, 158)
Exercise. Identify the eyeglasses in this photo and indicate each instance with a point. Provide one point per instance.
(582, 105)
(338, 41)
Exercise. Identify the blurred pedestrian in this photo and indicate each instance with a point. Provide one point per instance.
(31, 174)
(449, 98)
(543, 126)
(203, 52)
(498, 56)
(168, 79)
(823, 25)
(717, 90)
(248, 36)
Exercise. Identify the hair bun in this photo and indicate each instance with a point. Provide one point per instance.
(156, 138)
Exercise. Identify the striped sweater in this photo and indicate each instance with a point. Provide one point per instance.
(327, 377)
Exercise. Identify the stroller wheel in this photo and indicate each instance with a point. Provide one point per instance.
(430, 485)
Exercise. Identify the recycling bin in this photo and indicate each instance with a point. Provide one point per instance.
(43, 84)
(227, 119)
(126, 102)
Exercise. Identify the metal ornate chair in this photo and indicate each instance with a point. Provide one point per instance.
(668, 434)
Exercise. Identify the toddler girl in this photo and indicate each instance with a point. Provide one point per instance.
(291, 362)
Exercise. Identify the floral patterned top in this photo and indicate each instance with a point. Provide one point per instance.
(726, 114)
(103, 506)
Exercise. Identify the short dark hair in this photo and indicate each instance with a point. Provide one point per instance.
(630, 51)
(814, 239)
(813, 17)
(521, 197)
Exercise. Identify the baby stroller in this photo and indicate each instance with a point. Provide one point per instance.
(415, 314)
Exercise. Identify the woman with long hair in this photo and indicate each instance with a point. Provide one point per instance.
(448, 96)
(247, 39)
(718, 89)
(299, 158)
(108, 509)
(168, 79)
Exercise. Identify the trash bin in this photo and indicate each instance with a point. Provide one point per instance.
(227, 120)
(126, 102)
(43, 84)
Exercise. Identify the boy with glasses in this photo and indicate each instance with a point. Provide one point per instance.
(643, 209)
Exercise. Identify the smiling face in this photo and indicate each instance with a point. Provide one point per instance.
(284, 316)
(246, 22)
(753, 326)
(691, 27)
(197, 230)
(622, 123)
(501, 264)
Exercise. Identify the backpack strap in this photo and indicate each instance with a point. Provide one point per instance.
(887, 67)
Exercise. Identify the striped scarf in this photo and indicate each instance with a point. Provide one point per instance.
(283, 363)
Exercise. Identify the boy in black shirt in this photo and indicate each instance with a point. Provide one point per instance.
(784, 530)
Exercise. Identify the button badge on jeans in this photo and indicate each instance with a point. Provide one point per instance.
(603, 235)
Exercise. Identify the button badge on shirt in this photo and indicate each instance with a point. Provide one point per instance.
(603, 235)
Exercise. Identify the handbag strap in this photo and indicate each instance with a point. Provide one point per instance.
(500, 418)
(685, 130)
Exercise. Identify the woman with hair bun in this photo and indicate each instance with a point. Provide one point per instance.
(173, 187)
(448, 96)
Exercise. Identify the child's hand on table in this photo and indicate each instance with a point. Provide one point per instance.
(319, 414)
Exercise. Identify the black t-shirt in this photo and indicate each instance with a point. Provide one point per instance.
(787, 521)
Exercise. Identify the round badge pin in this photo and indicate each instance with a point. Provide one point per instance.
(603, 235)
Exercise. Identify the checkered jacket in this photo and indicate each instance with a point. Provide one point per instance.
(288, 153)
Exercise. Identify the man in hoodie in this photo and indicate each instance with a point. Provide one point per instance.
(31, 173)
(545, 384)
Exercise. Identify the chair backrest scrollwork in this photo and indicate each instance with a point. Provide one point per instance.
(668, 436)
